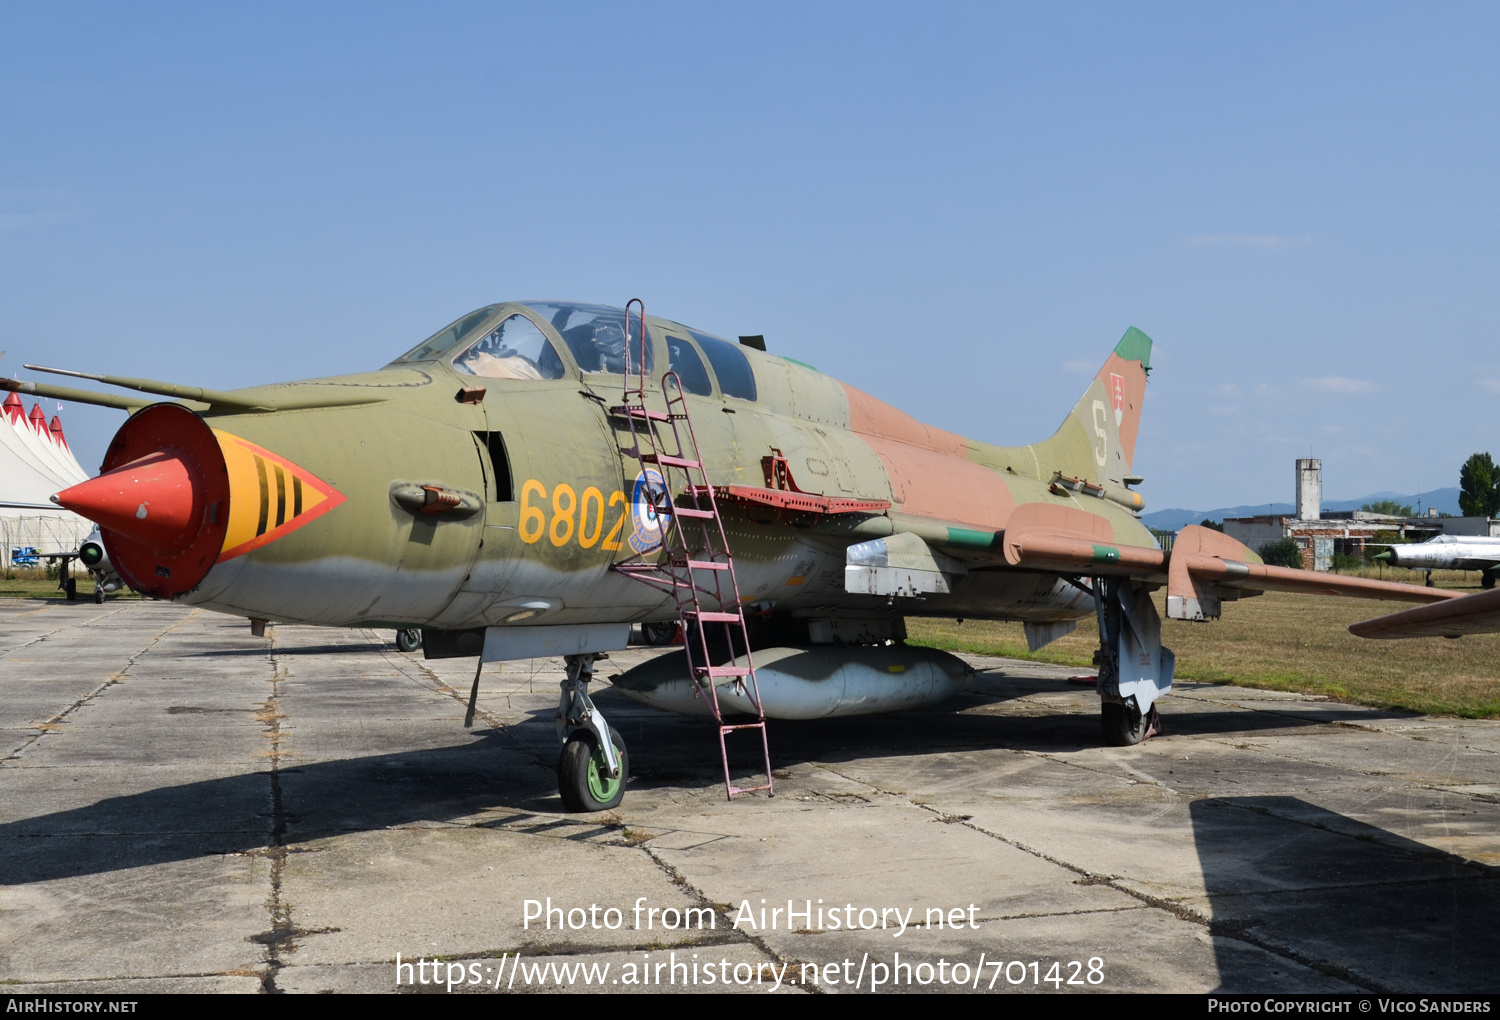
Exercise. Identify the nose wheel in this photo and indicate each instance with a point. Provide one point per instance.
(591, 774)
(409, 639)
(583, 778)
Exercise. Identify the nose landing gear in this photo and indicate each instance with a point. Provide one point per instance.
(593, 768)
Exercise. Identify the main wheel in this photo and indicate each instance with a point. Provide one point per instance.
(583, 777)
(1124, 725)
(409, 639)
(659, 633)
(70, 587)
(1486, 580)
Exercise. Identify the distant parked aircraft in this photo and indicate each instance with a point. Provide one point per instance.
(1448, 552)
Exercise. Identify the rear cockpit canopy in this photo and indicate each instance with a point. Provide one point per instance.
(595, 334)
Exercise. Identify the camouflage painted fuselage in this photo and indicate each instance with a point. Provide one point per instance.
(544, 541)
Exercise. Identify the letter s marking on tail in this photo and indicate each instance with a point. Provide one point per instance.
(1101, 438)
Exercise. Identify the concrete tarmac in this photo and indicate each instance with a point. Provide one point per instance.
(186, 807)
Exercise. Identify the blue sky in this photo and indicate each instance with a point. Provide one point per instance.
(958, 208)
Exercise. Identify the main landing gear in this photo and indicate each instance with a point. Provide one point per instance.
(1124, 724)
(1129, 635)
(657, 634)
(593, 768)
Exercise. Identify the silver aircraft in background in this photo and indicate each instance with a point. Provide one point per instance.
(1448, 552)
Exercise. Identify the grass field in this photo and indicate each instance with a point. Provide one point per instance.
(33, 587)
(1284, 642)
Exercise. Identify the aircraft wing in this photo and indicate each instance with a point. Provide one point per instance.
(1468, 614)
(1204, 568)
(1203, 563)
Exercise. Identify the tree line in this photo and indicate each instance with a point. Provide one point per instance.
(1479, 487)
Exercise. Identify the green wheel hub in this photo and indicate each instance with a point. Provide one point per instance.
(583, 778)
(601, 787)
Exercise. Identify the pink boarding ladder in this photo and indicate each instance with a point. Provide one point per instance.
(693, 563)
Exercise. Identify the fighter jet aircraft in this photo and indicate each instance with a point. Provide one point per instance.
(1448, 552)
(537, 476)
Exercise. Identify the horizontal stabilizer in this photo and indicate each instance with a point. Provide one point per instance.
(1467, 614)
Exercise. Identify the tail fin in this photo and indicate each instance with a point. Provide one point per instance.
(1097, 440)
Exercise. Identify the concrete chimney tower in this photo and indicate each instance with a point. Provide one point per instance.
(1309, 489)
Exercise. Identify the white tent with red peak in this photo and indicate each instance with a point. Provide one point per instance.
(35, 462)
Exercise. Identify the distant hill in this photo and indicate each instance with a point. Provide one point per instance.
(1446, 500)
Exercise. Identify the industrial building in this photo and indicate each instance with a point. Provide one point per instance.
(1347, 532)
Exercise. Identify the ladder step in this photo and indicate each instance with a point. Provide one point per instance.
(716, 617)
(683, 511)
(722, 670)
(742, 726)
(666, 461)
(706, 565)
(630, 411)
(747, 789)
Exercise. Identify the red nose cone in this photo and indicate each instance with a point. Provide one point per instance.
(162, 503)
(152, 501)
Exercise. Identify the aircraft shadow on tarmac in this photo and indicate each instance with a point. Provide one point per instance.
(490, 768)
(238, 813)
(1354, 901)
(958, 724)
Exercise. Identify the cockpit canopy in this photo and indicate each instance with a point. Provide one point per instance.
(595, 335)
(444, 339)
(515, 349)
(500, 342)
